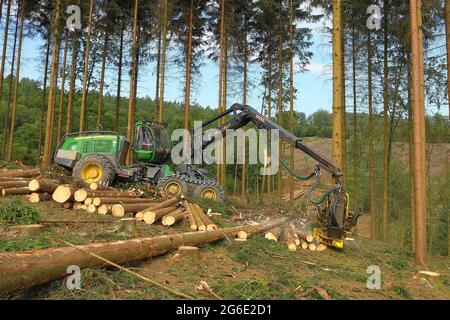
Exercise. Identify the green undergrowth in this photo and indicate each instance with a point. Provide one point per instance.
(17, 212)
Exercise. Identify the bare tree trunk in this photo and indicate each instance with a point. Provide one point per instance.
(224, 106)
(102, 81)
(222, 31)
(419, 136)
(119, 82)
(62, 92)
(291, 99)
(44, 95)
(5, 46)
(16, 83)
(131, 104)
(86, 69)
(355, 128)
(187, 93)
(163, 63)
(338, 87)
(373, 214)
(244, 102)
(269, 115)
(280, 105)
(158, 76)
(447, 37)
(52, 89)
(8, 103)
(411, 156)
(384, 229)
(73, 70)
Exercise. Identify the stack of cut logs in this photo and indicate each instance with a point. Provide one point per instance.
(295, 238)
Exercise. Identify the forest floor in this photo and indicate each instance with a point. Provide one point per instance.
(255, 269)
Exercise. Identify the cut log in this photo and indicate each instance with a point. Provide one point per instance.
(104, 209)
(151, 216)
(192, 223)
(21, 174)
(302, 234)
(29, 230)
(13, 184)
(294, 234)
(205, 219)
(63, 194)
(312, 247)
(173, 217)
(10, 179)
(88, 201)
(303, 244)
(24, 270)
(321, 247)
(192, 252)
(120, 210)
(198, 222)
(77, 206)
(290, 239)
(99, 201)
(273, 234)
(242, 235)
(43, 185)
(16, 191)
(38, 197)
(91, 208)
(80, 195)
(139, 216)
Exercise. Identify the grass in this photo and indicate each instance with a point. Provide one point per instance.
(17, 212)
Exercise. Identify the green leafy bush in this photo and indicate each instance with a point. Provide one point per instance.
(18, 212)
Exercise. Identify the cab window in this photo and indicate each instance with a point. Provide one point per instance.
(144, 139)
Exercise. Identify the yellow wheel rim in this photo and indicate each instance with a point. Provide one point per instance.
(209, 194)
(91, 173)
(173, 188)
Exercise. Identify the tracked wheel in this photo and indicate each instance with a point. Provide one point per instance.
(94, 168)
(209, 191)
(173, 186)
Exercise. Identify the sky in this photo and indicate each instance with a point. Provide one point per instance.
(314, 86)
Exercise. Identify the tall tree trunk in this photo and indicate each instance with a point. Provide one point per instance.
(373, 214)
(411, 156)
(62, 92)
(131, 104)
(5, 46)
(291, 98)
(44, 95)
(119, 82)
(158, 74)
(73, 70)
(269, 115)
(280, 105)
(338, 87)
(86, 70)
(102, 80)
(447, 37)
(244, 102)
(222, 30)
(224, 107)
(52, 89)
(187, 93)
(163, 62)
(419, 135)
(16, 81)
(384, 229)
(11, 75)
(355, 128)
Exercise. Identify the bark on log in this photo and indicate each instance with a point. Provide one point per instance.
(21, 174)
(151, 216)
(82, 194)
(302, 234)
(97, 187)
(13, 184)
(99, 201)
(16, 191)
(24, 270)
(205, 219)
(173, 217)
(43, 185)
(38, 197)
(63, 194)
(274, 234)
(9, 179)
(192, 223)
(119, 210)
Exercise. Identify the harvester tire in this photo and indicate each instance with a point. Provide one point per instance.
(209, 191)
(173, 186)
(94, 168)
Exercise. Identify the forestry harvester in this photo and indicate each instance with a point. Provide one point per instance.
(99, 156)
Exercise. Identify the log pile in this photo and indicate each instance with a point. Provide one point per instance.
(295, 238)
